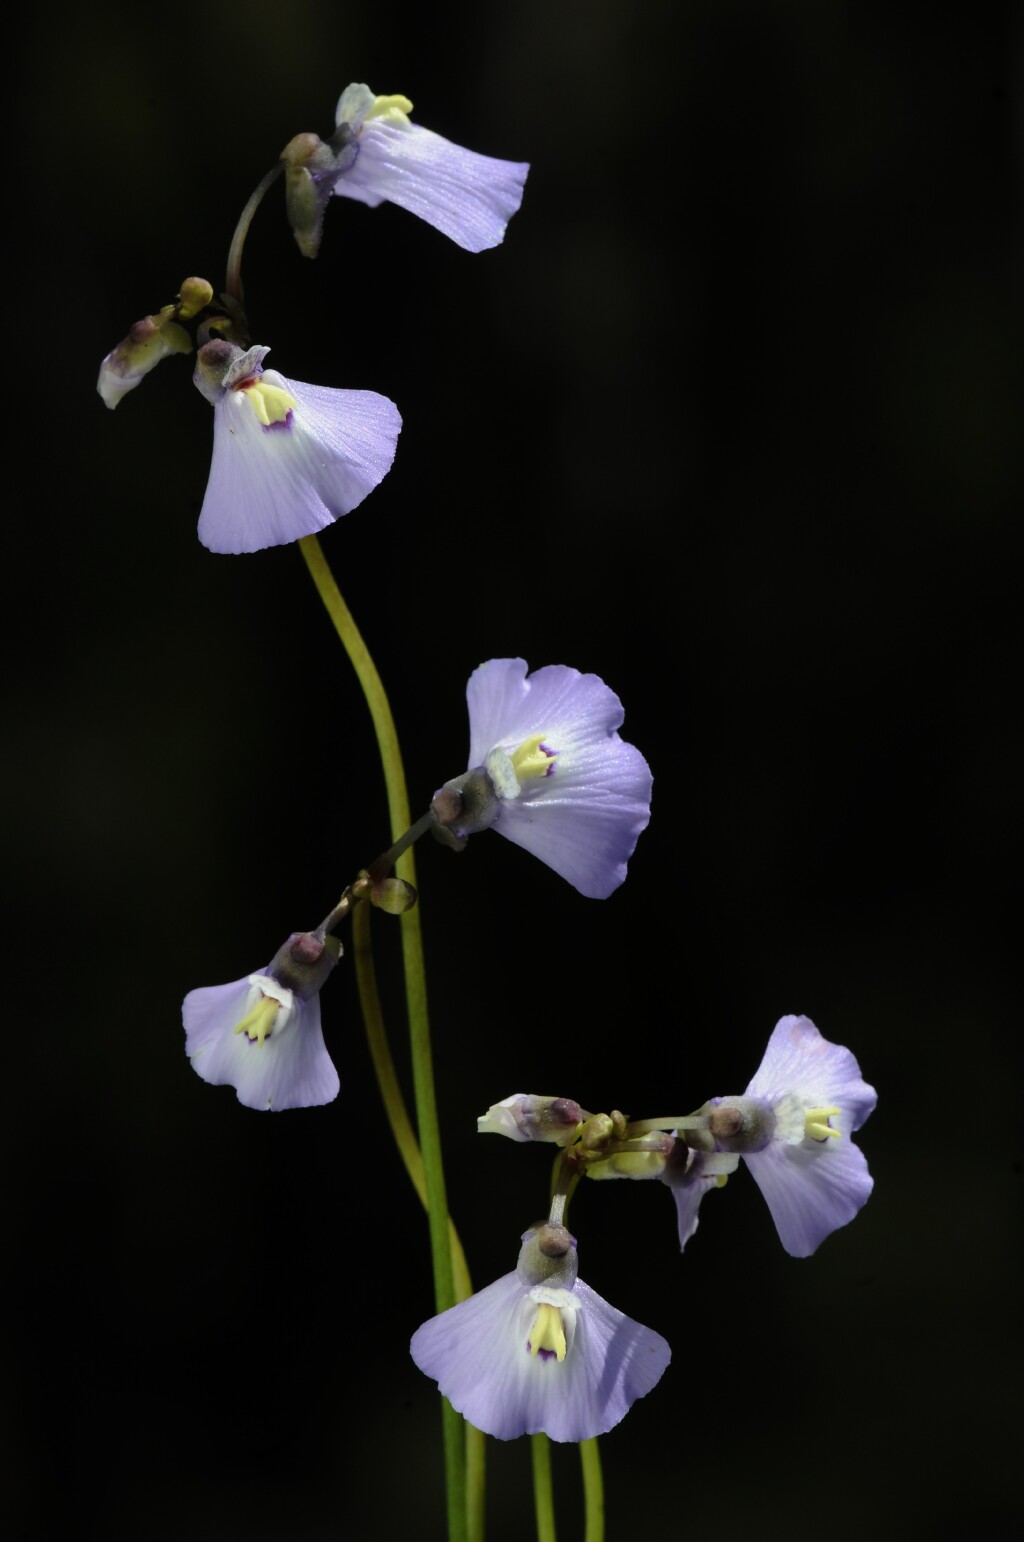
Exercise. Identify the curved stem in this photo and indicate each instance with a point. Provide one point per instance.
(543, 1493)
(233, 283)
(405, 1140)
(593, 1491)
(390, 1090)
(415, 992)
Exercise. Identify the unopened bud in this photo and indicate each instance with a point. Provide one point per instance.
(524, 1116)
(632, 1164)
(598, 1129)
(194, 295)
(149, 341)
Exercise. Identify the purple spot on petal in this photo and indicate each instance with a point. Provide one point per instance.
(547, 1354)
(285, 422)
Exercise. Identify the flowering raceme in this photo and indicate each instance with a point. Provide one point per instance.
(549, 771)
(262, 1034)
(792, 1127)
(540, 1351)
(288, 458)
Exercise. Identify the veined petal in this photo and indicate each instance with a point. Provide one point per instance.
(289, 1069)
(468, 197)
(584, 818)
(479, 1354)
(270, 484)
(799, 1059)
(811, 1189)
(704, 1171)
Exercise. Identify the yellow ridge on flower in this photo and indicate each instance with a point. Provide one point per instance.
(270, 403)
(389, 107)
(816, 1125)
(531, 758)
(547, 1332)
(257, 1023)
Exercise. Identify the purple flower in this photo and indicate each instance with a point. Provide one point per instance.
(288, 458)
(466, 196)
(262, 1035)
(540, 1351)
(550, 772)
(793, 1128)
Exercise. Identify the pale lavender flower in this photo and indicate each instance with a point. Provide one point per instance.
(793, 1128)
(550, 772)
(384, 156)
(262, 1034)
(540, 1351)
(288, 458)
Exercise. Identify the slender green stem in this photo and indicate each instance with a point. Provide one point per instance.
(593, 1491)
(476, 1470)
(405, 1140)
(233, 284)
(543, 1492)
(416, 998)
(391, 1092)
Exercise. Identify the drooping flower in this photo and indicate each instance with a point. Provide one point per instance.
(793, 1128)
(288, 458)
(466, 196)
(540, 1351)
(262, 1035)
(549, 771)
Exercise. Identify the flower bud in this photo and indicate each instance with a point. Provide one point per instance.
(524, 1117)
(149, 341)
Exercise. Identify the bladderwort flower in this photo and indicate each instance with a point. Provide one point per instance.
(549, 771)
(262, 1035)
(288, 458)
(540, 1351)
(793, 1128)
(377, 154)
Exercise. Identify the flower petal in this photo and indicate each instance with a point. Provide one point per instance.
(811, 1189)
(799, 1059)
(290, 1069)
(478, 1352)
(585, 817)
(271, 485)
(468, 197)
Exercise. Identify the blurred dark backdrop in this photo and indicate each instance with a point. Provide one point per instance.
(732, 419)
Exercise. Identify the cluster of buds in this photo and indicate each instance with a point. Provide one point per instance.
(538, 1350)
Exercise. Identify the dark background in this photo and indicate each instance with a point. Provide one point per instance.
(730, 419)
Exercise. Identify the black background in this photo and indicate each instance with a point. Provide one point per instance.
(731, 419)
